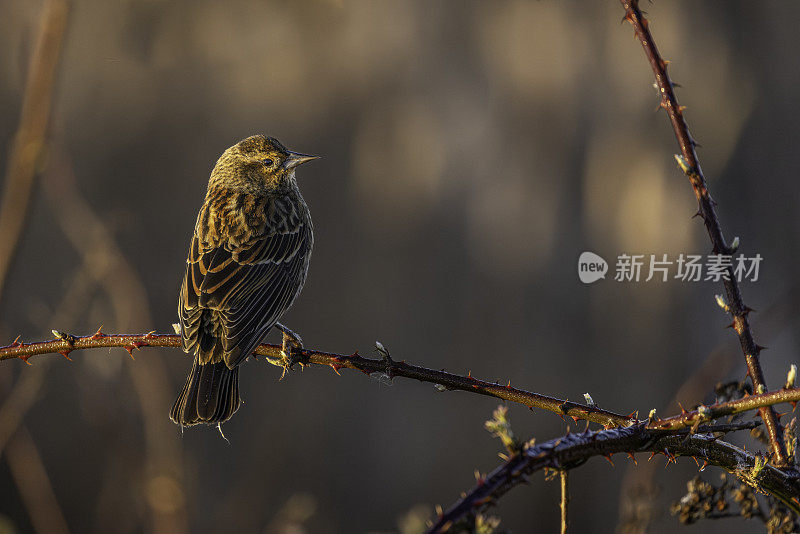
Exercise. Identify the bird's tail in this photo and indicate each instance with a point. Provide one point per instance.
(210, 395)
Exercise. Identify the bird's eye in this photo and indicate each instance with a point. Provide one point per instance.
(267, 162)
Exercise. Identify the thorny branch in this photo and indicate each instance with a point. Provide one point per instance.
(64, 344)
(576, 448)
(691, 166)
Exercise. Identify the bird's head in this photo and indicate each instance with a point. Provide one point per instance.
(258, 163)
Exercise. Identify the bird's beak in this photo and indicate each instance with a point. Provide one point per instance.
(296, 159)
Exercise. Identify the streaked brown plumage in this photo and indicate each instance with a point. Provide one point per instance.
(248, 260)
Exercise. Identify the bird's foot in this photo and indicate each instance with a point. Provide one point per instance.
(292, 349)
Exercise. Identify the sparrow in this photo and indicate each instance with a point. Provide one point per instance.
(248, 260)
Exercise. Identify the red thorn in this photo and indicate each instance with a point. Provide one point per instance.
(16, 341)
(652, 455)
(634, 414)
(732, 325)
(683, 412)
(575, 418)
(608, 457)
(65, 353)
(99, 334)
(794, 404)
(632, 457)
(25, 359)
(508, 386)
(133, 345)
(336, 367)
(354, 355)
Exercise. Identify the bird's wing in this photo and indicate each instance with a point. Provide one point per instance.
(249, 285)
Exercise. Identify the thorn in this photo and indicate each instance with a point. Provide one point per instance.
(698, 214)
(133, 345)
(65, 353)
(732, 325)
(632, 457)
(16, 341)
(508, 386)
(759, 348)
(25, 359)
(99, 334)
(634, 414)
(705, 464)
(335, 367)
(608, 457)
(683, 412)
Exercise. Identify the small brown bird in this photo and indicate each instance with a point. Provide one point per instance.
(247, 262)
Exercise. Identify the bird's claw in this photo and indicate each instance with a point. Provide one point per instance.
(292, 349)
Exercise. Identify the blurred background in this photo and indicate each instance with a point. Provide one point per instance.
(471, 151)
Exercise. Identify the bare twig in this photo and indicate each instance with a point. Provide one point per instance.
(704, 414)
(638, 493)
(386, 367)
(691, 166)
(29, 141)
(574, 449)
(564, 477)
